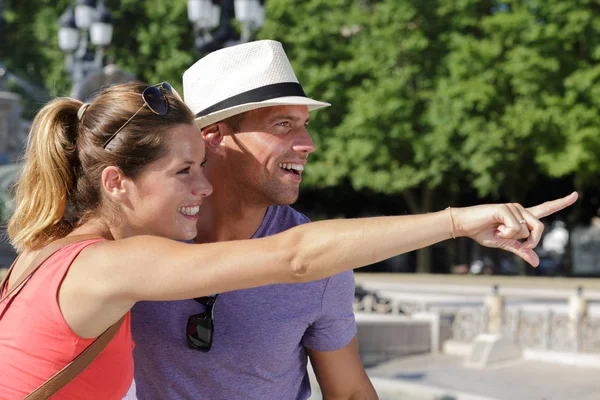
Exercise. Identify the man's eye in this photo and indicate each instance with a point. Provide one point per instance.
(203, 163)
(284, 123)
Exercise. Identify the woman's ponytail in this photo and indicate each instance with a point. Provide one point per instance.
(48, 177)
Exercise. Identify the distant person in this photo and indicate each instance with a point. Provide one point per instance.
(556, 240)
(552, 250)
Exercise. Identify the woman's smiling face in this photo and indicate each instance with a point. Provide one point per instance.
(165, 197)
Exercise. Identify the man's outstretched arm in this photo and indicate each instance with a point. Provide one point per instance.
(341, 374)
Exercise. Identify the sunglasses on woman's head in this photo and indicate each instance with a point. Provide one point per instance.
(155, 99)
(200, 327)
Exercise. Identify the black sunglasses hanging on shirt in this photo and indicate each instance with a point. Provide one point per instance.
(200, 327)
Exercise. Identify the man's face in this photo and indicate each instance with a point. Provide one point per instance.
(268, 154)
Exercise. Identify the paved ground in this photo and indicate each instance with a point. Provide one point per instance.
(515, 380)
(385, 392)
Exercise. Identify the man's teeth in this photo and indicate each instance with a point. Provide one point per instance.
(297, 167)
(189, 210)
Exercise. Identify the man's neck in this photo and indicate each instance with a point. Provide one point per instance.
(224, 216)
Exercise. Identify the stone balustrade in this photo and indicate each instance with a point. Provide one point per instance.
(529, 327)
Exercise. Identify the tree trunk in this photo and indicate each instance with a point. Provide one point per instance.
(424, 260)
(416, 207)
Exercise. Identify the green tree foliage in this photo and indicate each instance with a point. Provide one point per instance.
(29, 44)
(423, 92)
(430, 99)
(152, 39)
(433, 97)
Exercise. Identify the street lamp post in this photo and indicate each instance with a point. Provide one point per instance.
(87, 24)
(1, 15)
(212, 21)
(251, 14)
(2, 69)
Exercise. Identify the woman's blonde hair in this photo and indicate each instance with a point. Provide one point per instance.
(60, 184)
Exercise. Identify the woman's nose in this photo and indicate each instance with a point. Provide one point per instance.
(204, 188)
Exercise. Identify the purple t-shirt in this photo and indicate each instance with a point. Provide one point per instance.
(258, 351)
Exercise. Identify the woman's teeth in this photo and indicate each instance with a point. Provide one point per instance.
(189, 210)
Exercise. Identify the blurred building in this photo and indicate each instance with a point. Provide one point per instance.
(13, 136)
(13, 128)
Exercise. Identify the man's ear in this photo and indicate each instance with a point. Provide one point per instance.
(214, 137)
(115, 184)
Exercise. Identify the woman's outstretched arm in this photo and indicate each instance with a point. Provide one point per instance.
(150, 268)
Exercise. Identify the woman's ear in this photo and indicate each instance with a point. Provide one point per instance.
(214, 137)
(114, 183)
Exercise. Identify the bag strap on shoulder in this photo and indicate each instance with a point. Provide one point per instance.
(71, 370)
(42, 256)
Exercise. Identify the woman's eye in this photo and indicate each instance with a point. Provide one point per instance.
(184, 171)
(203, 163)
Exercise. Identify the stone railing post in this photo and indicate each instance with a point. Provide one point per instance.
(578, 309)
(494, 305)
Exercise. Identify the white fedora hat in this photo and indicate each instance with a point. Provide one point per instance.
(241, 78)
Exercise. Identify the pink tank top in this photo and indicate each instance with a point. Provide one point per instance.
(36, 342)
